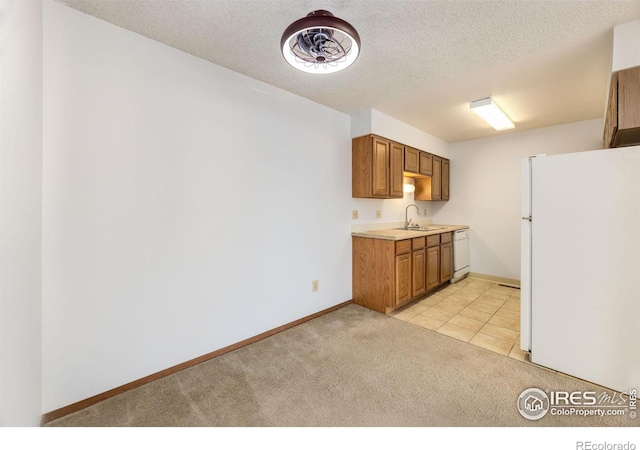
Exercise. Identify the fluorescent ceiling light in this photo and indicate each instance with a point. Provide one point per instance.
(491, 114)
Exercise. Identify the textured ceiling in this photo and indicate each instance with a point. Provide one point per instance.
(544, 62)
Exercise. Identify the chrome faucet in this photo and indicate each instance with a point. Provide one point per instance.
(406, 214)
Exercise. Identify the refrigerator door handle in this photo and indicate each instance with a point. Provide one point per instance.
(526, 230)
(525, 255)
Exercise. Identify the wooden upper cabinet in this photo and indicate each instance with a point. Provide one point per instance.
(629, 107)
(418, 162)
(436, 179)
(376, 165)
(379, 165)
(411, 160)
(426, 163)
(435, 187)
(380, 169)
(611, 118)
(622, 121)
(396, 164)
(445, 179)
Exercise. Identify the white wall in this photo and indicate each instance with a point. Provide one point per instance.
(186, 207)
(361, 123)
(485, 189)
(398, 131)
(373, 121)
(20, 211)
(626, 46)
(393, 210)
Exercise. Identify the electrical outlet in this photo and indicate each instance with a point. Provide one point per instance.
(425, 211)
(314, 286)
(354, 214)
(378, 214)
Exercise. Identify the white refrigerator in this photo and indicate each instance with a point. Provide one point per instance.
(580, 264)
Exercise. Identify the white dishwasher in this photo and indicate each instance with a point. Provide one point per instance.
(460, 255)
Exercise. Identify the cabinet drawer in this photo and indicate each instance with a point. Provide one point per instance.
(433, 240)
(403, 246)
(445, 237)
(417, 243)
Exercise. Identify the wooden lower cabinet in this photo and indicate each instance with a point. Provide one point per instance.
(403, 278)
(433, 267)
(446, 257)
(446, 262)
(388, 274)
(373, 273)
(418, 260)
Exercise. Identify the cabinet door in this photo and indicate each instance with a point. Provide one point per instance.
(433, 264)
(445, 179)
(419, 272)
(629, 99)
(380, 177)
(411, 162)
(426, 163)
(436, 179)
(403, 278)
(446, 262)
(396, 164)
(611, 119)
(622, 121)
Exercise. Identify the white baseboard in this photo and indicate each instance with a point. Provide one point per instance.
(502, 280)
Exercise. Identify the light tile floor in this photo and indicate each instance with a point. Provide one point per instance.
(480, 312)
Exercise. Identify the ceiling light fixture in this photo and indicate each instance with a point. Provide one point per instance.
(320, 43)
(493, 115)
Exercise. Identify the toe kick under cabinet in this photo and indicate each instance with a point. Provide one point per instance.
(388, 274)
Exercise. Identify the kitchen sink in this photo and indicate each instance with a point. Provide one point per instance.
(421, 228)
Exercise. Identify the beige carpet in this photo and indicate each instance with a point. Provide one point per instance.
(350, 368)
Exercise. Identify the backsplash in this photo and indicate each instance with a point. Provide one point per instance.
(381, 214)
(371, 226)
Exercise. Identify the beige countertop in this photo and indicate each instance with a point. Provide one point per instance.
(398, 235)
